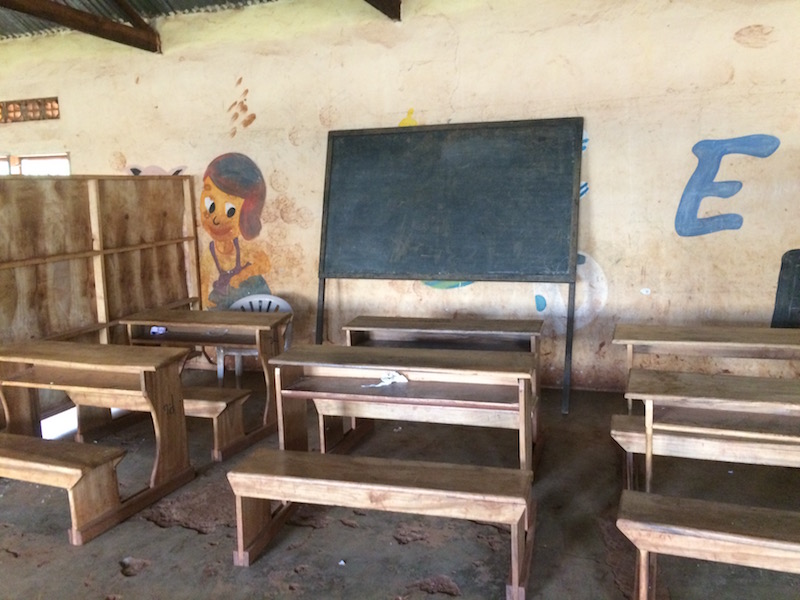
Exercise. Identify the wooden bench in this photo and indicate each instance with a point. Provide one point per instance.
(722, 445)
(224, 407)
(86, 471)
(456, 491)
(703, 530)
(713, 414)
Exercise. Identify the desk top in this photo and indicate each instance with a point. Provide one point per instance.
(208, 318)
(447, 326)
(517, 364)
(736, 337)
(715, 392)
(100, 357)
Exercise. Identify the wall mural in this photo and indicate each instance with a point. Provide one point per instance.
(155, 170)
(233, 197)
(701, 184)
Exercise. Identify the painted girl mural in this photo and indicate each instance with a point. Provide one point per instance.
(233, 197)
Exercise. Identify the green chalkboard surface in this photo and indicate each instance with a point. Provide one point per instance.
(476, 201)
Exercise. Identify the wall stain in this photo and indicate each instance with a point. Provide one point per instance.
(279, 182)
(754, 36)
(286, 210)
(328, 116)
(240, 110)
(294, 136)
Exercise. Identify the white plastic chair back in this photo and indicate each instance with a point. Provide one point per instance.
(253, 303)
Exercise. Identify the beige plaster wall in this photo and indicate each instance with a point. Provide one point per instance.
(651, 79)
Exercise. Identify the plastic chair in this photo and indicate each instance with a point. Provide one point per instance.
(254, 303)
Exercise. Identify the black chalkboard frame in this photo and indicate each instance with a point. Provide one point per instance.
(404, 180)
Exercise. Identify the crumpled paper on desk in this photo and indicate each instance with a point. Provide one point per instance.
(388, 379)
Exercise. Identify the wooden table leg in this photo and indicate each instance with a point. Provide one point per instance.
(163, 388)
(292, 421)
(268, 347)
(21, 408)
(648, 452)
(526, 423)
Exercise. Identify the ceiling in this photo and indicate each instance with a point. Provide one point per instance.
(124, 21)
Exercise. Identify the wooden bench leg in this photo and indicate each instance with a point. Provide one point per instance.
(94, 497)
(228, 428)
(522, 537)
(342, 434)
(630, 471)
(256, 525)
(643, 583)
(513, 590)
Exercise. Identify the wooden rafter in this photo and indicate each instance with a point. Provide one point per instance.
(391, 8)
(139, 34)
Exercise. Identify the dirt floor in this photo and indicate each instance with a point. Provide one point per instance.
(182, 547)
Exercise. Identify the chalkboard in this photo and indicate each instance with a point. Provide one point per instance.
(466, 202)
(475, 201)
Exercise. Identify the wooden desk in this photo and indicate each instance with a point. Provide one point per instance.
(107, 376)
(719, 407)
(518, 335)
(473, 334)
(731, 341)
(263, 332)
(465, 387)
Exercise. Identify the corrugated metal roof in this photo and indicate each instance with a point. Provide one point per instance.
(15, 24)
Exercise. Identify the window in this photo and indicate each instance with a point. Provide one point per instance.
(36, 164)
(33, 109)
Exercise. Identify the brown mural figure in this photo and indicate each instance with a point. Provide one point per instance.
(233, 197)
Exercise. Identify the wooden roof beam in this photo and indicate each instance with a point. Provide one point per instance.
(391, 8)
(140, 35)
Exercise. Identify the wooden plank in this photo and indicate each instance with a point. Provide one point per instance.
(460, 363)
(458, 491)
(191, 253)
(79, 380)
(486, 416)
(208, 402)
(51, 462)
(414, 392)
(733, 340)
(715, 391)
(214, 337)
(100, 284)
(434, 326)
(737, 424)
(725, 446)
(101, 357)
(699, 529)
(235, 321)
